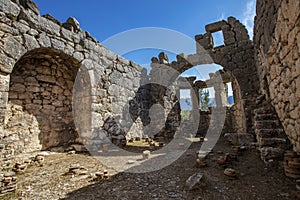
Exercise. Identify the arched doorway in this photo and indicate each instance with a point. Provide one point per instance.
(41, 86)
(210, 94)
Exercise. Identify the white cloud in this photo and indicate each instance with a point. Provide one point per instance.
(222, 17)
(248, 16)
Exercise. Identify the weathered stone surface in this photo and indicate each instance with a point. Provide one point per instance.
(4, 83)
(48, 26)
(51, 18)
(28, 4)
(44, 40)
(33, 32)
(57, 44)
(195, 181)
(41, 82)
(239, 138)
(276, 58)
(8, 29)
(269, 153)
(31, 42)
(9, 8)
(72, 24)
(22, 26)
(6, 63)
(214, 27)
(13, 47)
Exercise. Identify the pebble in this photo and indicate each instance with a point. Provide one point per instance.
(130, 161)
(71, 152)
(9, 174)
(194, 181)
(43, 153)
(230, 172)
(146, 154)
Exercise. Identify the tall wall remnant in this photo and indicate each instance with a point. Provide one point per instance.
(236, 57)
(277, 50)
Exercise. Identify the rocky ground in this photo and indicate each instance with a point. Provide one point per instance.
(78, 176)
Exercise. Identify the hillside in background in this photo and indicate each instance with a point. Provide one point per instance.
(186, 103)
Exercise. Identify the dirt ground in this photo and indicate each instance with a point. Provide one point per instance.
(254, 179)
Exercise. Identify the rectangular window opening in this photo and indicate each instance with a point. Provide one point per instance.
(218, 39)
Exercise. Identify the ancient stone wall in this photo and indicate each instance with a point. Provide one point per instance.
(277, 46)
(56, 81)
(236, 57)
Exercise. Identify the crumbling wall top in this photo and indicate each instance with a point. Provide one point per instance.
(233, 32)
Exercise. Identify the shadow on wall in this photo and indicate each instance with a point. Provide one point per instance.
(146, 97)
(41, 84)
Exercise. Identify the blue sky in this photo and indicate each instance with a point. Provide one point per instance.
(106, 18)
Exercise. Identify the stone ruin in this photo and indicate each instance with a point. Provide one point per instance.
(42, 60)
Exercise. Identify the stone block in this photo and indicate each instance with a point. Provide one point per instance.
(239, 138)
(38, 102)
(21, 25)
(31, 107)
(8, 29)
(6, 63)
(18, 87)
(216, 26)
(48, 108)
(45, 70)
(206, 41)
(195, 181)
(79, 56)
(44, 40)
(31, 81)
(273, 142)
(9, 8)
(48, 26)
(268, 153)
(47, 79)
(33, 89)
(13, 47)
(3, 99)
(57, 90)
(67, 34)
(57, 44)
(295, 114)
(228, 37)
(31, 42)
(4, 83)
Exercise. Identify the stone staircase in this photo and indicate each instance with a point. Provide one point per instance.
(270, 135)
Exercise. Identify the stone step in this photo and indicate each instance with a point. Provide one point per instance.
(266, 124)
(264, 110)
(272, 142)
(270, 133)
(268, 153)
(266, 116)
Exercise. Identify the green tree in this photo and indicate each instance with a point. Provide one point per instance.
(204, 99)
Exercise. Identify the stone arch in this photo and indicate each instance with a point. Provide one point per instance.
(221, 98)
(236, 57)
(41, 84)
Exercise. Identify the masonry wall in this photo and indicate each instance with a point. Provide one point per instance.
(236, 57)
(57, 82)
(277, 46)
